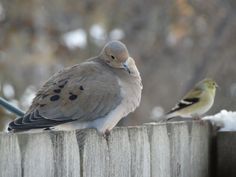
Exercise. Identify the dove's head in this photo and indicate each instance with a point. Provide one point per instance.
(116, 55)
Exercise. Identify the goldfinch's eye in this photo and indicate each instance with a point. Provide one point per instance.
(112, 57)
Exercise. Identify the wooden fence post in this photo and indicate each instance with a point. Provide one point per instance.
(180, 149)
(226, 154)
(176, 149)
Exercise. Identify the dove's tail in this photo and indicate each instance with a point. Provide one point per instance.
(13, 126)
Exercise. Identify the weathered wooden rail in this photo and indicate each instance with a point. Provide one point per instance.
(178, 149)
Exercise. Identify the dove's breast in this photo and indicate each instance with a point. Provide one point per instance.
(131, 96)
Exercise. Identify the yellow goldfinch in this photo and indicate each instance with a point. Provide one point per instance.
(196, 102)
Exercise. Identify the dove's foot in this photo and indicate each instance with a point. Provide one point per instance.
(106, 134)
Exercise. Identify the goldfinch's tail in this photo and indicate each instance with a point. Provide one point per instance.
(170, 116)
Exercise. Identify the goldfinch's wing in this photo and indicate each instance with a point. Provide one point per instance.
(192, 97)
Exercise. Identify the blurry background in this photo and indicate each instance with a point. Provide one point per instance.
(175, 44)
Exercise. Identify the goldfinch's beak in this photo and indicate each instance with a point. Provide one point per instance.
(125, 65)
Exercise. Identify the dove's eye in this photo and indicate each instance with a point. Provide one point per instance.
(112, 57)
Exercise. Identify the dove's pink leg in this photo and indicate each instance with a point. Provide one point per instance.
(106, 134)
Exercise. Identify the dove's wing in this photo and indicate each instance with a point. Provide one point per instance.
(83, 92)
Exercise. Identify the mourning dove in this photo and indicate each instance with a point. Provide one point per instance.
(196, 102)
(94, 94)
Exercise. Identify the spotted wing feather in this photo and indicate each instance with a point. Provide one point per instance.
(78, 93)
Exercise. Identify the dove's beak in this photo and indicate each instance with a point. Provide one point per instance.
(125, 65)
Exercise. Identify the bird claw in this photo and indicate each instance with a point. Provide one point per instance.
(198, 118)
(106, 134)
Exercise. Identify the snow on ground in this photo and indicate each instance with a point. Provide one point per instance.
(99, 34)
(157, 113)
(78, 37)
(225, 120)
(75, 39)
(27, 97)
(8, 90)
(117, 34)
